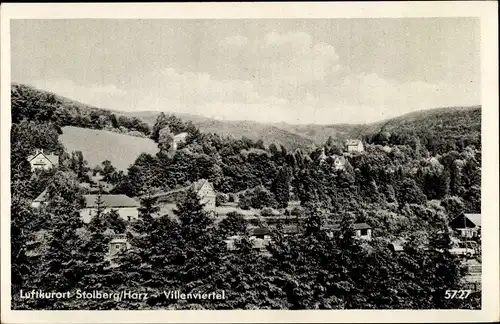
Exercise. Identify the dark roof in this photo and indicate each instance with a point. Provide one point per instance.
(466, 221)
(355, 226)
(474, 218)
(110, 201)
(260, 231)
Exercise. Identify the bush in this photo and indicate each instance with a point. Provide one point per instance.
(258, 197)
(232, 197)
(297, 212)
(267, 212)
(221, 198)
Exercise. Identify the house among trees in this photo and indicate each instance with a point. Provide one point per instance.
(206, 194)
(40, 199)
(127, 208)
(203, 188)
(43, 161)
(259, 236)
(339, 162)
(354, 145)
(361, 230)
(468, 225)
(178, 139)
(117, 244)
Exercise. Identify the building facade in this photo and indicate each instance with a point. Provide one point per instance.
(354, 146)
(468, 225)
(126, 207)
(40, 160)
(206, 194)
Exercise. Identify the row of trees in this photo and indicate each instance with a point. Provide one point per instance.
(33, 105)
(307, 271)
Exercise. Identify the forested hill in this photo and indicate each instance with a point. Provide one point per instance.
(435, 128)
(439, 130)
(33, 104)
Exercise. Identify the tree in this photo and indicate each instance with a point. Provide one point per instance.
(161, 122)
(79, 165)
(22, 230)
(165, 139)
(108, 171)
(281, 187)
(60, 264)
(114, 121)
(114, 222)
(410, 193)
(329, 142)
(233, 224)
(148, 210)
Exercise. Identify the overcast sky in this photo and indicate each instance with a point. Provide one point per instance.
(296, 71)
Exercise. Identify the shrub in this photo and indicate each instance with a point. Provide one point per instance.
(266, 211)
(221, 198)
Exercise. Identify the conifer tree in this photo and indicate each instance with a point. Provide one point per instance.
(281, 187)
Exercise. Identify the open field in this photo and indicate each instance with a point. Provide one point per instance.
(99, 145)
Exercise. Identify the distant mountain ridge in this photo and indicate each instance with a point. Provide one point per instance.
(288, 135)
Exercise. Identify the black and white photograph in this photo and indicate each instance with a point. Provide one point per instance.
(201, 164)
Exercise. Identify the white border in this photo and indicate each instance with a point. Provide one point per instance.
(486, 10)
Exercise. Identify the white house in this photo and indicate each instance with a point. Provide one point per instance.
(361, 230)
(468, 225)
(43, 161)
(127, 208)
(206, 194)
(39, 200)
(354, 145)
(178, 139)
(118, 244)
(339, 162)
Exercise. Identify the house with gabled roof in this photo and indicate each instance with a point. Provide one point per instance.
(203, 188)
(354, 145)
(339, 162)
(127, 208)
(40, 199)
(41, 160)
(468, 225)
(206, 194)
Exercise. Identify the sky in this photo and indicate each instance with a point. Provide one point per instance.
(321, 71)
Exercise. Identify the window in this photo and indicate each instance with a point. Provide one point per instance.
(364, 232)
(117, 246)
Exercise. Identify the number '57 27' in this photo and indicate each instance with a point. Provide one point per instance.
(457, 294)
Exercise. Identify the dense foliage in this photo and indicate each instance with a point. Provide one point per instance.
(403, 185)
(40, 106)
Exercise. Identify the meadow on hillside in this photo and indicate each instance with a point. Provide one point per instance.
(99, 145)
